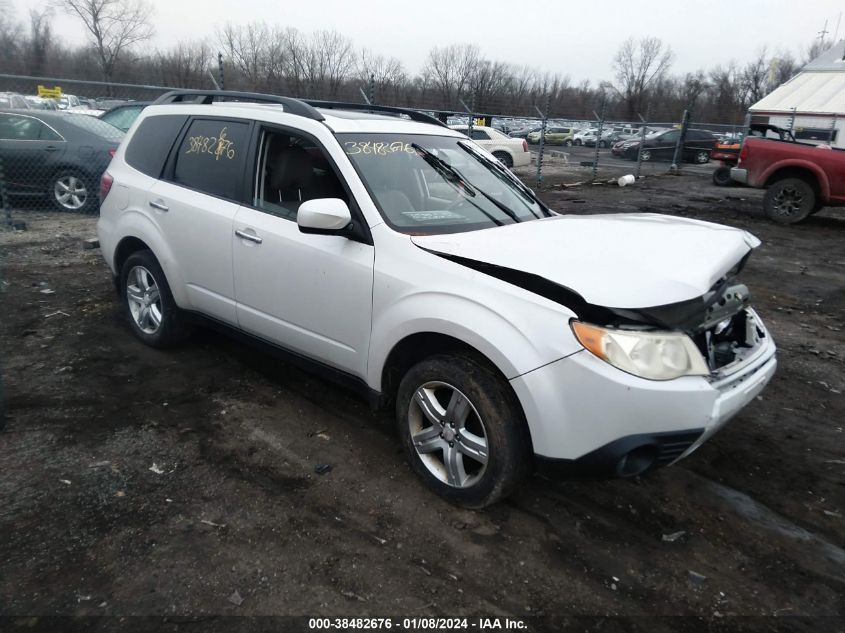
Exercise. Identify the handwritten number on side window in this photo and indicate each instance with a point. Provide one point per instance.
(218, 146)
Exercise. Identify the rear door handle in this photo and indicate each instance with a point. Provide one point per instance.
(159, 205)
(51, 148)
(251, 237)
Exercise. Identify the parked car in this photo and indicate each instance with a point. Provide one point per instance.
(13, 100)
(661, 146)
(55, 154)
(40, 103)
(397, 257)
(523, 132)
(67, 101)
(554, 136)
(511, 152)
(800, 178)
(590, 139)
(123, 116)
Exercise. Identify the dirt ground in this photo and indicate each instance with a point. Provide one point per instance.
(145, 482)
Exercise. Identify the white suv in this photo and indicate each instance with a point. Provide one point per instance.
(383, 249)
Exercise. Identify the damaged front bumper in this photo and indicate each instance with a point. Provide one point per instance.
(585, 413)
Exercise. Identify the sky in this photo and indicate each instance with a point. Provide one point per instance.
(575, 39)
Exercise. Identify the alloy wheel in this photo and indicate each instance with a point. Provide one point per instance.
(70, 192)
(448, 434)
(788, 201)
(144, 299)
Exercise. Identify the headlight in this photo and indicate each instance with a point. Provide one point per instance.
(651, 355)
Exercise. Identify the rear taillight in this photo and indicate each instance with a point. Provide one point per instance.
(743, 153)
(524, 145)
(112, 152)
(106, 181)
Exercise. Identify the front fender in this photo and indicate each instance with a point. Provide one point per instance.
(515, 343)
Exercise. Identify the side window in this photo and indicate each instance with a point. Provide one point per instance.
(149, 146)
(49, 134)
(670, 137)
(19, 128)
(210, 158)
(292, 169)
(480, 135)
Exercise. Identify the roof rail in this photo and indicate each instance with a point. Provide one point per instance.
(291, 105)
(414, 115)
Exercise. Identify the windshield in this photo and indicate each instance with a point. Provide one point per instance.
(438, 184)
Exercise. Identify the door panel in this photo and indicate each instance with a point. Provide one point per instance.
(199, 229)
(308, 293)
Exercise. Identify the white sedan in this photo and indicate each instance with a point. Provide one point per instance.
(511, 152)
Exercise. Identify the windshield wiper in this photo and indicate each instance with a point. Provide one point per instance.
(443, 168)
(454, 177)
(502, 171)
(440, 164)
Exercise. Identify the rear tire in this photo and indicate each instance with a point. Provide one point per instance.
(701, 157)
(789, 200)
(504, 158)
(71, 191)
(462, 430)
(722, 177)
(152, 313)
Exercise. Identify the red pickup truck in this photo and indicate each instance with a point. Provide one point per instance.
(800, 178)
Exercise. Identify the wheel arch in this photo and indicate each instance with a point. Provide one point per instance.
(416, 347)
(805, 171)
(138, 233)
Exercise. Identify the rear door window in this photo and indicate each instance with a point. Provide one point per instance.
(211, 157)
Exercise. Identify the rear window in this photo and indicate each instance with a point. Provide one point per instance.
(150, 144)
(94, 126)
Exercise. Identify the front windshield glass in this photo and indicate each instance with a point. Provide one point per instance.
(425, 184)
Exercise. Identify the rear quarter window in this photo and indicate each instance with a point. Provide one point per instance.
(149, 146)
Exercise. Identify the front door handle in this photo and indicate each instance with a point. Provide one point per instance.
(51, 148)
(159, 205)
(251, 237)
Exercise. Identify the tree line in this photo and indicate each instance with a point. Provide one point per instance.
(326, 64)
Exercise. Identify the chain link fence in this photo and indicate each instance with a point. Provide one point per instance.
(55, 147)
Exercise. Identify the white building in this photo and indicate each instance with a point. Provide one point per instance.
(811, 104)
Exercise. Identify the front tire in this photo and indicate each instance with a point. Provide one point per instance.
(645, 156)
(701, 157)
(789, 200)
(462, 430)
(722, 177)
(152, 313)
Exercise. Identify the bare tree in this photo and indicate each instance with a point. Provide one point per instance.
(782, 68)
(816, 48)
(246, 48)
(450, 69)
(10, 37)
(184, 66)
(755, 79)
(638, 65)
(114, 26)
(40, 40)
(387, 73)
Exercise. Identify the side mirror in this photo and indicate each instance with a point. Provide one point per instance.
(323, 216)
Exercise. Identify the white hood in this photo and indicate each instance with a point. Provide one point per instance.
(637, 260)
